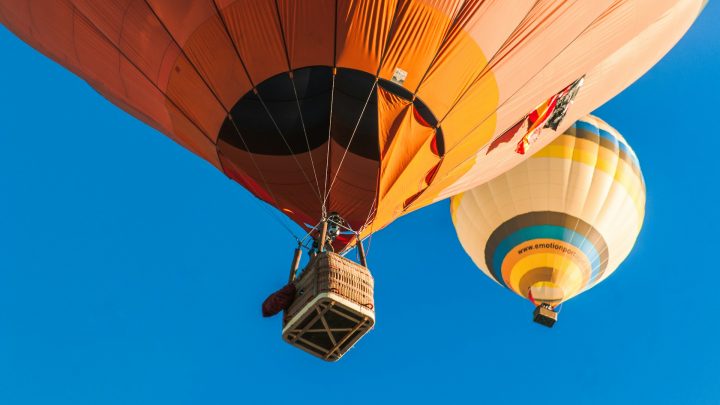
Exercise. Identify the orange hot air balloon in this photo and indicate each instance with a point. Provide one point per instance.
(364, 108)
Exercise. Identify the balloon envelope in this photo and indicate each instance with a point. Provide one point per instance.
(561, 221)
(366, 108)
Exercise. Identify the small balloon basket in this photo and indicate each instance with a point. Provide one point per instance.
(333, 307)
(544, 315)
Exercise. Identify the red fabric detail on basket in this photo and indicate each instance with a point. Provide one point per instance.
(278, 301)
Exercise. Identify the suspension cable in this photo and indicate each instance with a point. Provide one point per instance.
(352, 136)
(329, 142)
(292, 153)
(307, 139)
(273, 213)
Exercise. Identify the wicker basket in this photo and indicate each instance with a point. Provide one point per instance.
(544, 315)
(333, 307)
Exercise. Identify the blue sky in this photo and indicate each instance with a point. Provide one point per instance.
(131, 272)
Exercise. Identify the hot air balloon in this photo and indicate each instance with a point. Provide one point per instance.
(354, 112)
(560, 222)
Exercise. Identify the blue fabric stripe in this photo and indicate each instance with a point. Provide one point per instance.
(558, 233)
(586, 126)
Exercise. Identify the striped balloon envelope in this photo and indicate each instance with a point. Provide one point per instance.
(561, 221)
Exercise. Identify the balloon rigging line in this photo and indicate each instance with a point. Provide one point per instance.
(343, 226)
(92, 25)
(375, 202)
(443, 44)
(332, 100)
(329, 141)
(190, 61)
(232, 41)
(177, 107)
(492, 61)
(307, 140)
(309, 233)
(370, 239)
(389, 37)
(308, 236)
(262, 102)
(219, 100)
(352, 136)
(371, 212)
(273, 213)
(292, 153)
(297, 99)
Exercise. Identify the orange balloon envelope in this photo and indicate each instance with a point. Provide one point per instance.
(365, 108)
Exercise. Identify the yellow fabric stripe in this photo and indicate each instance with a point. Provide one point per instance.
(579, 257)
(566, 275)
(603, 159)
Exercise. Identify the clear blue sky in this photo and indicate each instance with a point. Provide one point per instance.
(124, 280)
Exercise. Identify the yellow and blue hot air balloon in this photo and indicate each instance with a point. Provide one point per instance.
(560, 222)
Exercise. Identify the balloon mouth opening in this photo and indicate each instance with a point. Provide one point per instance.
(546, 292)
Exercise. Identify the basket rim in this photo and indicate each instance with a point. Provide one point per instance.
(370, 313)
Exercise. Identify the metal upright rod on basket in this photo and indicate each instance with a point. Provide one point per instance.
(361, 252)
(295, 264)
(323, 236)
